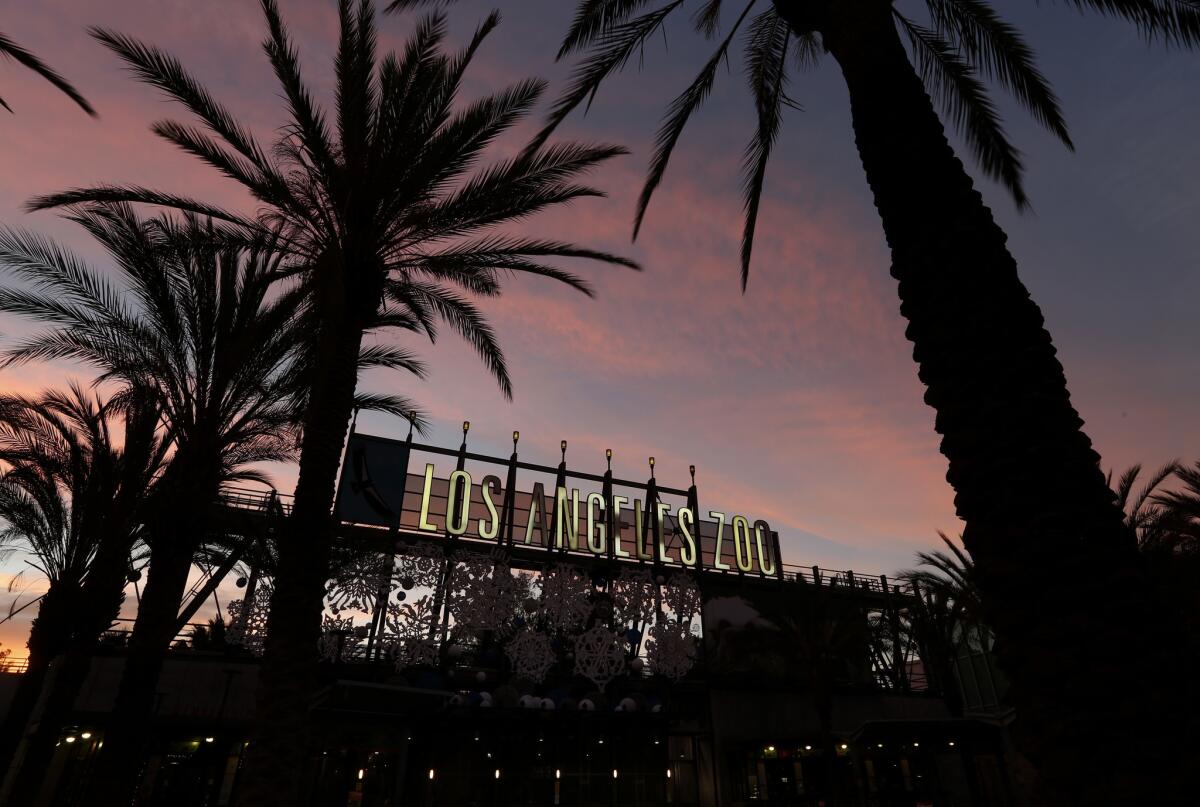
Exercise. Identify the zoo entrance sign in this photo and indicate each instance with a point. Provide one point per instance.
(456, 495)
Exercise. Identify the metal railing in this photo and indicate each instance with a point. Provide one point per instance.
(258, 500)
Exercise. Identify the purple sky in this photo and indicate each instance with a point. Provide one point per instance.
(798, 401)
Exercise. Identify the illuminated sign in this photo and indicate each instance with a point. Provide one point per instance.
(563, 511)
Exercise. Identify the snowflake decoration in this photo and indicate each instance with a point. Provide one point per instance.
(682, 596)
(419, 565)
(634, 594)
(531, 654)
(416, 651)
(483, 595)
(253, 633)
(338, 640)
(356, 584)
(410, 620)
(599, 656)
(671, 650)
(566, 597)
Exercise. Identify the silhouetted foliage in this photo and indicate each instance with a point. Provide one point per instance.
(11, 50)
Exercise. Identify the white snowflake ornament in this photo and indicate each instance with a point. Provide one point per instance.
(633, 594)
(532, 655)
(419, 565)
(599, 656)
(415, 651)
(252, 632)
(566, 597)
(483, 595)
(357, 583)
(671, 650)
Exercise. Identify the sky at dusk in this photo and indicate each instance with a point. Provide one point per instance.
(798, 401)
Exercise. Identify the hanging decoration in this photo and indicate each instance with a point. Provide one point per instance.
(483, 595)
(416, 651)
(599, 656)
(633, 593)
(532, 655)
(251, 631)
(671, 650)
(566, 600)
(356, 584)
(338, 639)
(682, 596)
(408, 620)
(419, 564)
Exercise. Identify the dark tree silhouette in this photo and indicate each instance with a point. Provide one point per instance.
(1061, 579)
(68, 497)
(387, 222)
(11, 50)
(206, 333)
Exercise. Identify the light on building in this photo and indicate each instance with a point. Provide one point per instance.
(87, 735)
(557, 773)
(71, 739)
(844, 746)
(431, 774)
(497, 773)
(952, 743)
(361, 774)
(668, 773)
(770, 749)
(916, 745)
(808, 748)
(208, 739)
(614, 773)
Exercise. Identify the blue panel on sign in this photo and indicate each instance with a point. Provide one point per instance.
(371, 489)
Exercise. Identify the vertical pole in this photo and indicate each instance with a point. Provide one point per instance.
(509, 508)
(441, 604)
(611, 522)
(560, 481)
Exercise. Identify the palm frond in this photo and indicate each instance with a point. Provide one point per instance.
(952, 82)
(11, 50)
(996, 49)
(766, 70)
(678, 114)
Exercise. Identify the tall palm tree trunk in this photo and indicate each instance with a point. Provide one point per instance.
(126, 737)
(275, 759)
(1060, 575)
(99, 604)
(48, 636)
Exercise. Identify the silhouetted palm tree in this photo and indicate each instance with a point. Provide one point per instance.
(387, 221)
(67, 496)
(209, 335)
(1144, 513)
(952, 575)
(1038, 515)
(946, 615)
(11, 50)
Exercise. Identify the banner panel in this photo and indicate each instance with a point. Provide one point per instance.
(371, 488)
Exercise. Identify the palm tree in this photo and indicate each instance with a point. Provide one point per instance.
(67, 497)
(1145, 513)
(946, 614)
(11, 50)
(1038, 515)
(387, 223)
(210, 337)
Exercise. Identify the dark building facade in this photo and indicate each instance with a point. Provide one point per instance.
(500, 640)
